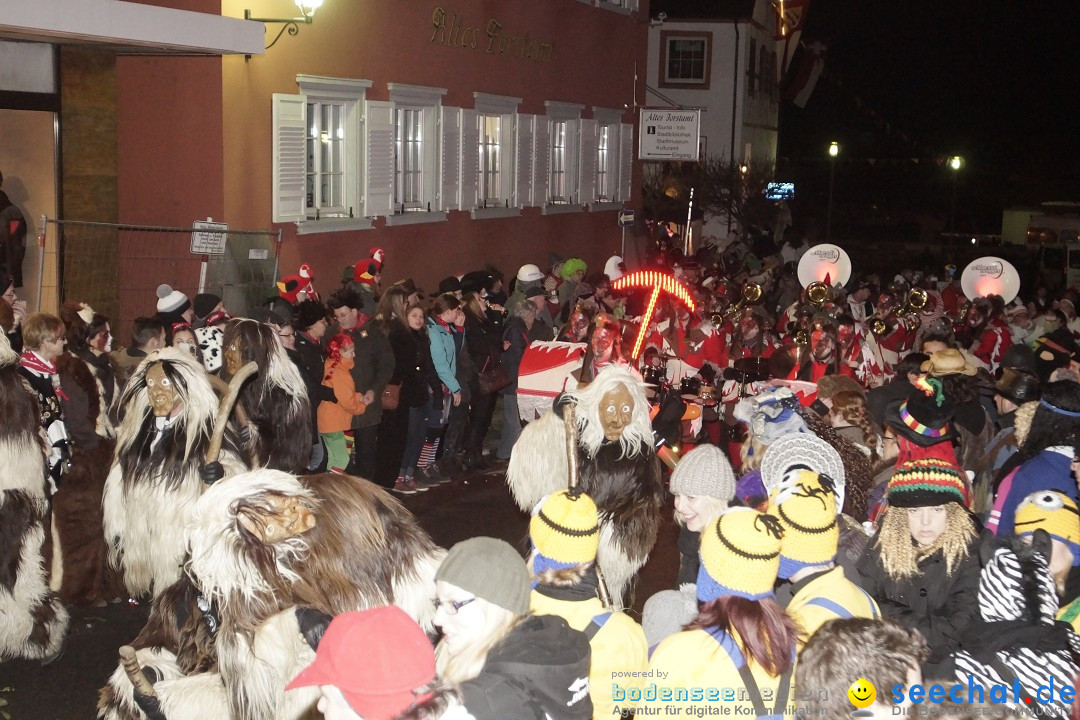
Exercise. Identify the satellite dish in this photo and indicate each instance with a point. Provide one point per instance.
(990, 276)
(825, 263)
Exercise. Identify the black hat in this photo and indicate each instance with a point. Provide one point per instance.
(204, 304)
(1052, 351)
(1019, 357)
(448, 285)
(476, 281)
(308, 313)
(1020, 386)
(267, 315)
(925, 416)
(534, 291)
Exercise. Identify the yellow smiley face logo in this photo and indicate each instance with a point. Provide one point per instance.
(862, 693)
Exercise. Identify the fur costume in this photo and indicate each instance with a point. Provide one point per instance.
(622, 477)
(151, 491)
(275, 402)
(84, 576)
(33, 621)
(256, 568)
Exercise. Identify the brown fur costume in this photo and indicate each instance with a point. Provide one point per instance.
(275, 402)
(622, 478)
(33, 621)
(364, 550)
(85, 577)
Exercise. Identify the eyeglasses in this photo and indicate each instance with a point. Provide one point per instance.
(286, 335)
(452, 606)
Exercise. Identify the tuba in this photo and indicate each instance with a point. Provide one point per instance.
(818, 293)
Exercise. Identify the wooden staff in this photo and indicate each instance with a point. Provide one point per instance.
(570, 422)
(134, 672)
(225, 409)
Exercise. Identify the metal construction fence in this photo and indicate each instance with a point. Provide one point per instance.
(117, 268)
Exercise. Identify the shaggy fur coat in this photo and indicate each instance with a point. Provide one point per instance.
(33, 621)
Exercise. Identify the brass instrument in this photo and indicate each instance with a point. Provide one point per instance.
(751, 294)
(878, 327)
(917, 298)
(802, 337)
(911, 322)
(818, 293)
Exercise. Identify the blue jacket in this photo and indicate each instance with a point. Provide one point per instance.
(443, 355)
(1049, 470)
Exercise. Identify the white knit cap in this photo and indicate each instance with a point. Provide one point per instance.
(802, 450)
(170, 300)
(704, 472)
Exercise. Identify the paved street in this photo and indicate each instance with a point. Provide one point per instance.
(475, 505)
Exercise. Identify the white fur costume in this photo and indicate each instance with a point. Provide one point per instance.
(364, 550)
(33, 621)
(623, 477)
(150, 497)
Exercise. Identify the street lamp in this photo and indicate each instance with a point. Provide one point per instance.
(307, 10)
(834, 150)
(955, 163)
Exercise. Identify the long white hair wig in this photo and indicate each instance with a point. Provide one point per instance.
(637, 436)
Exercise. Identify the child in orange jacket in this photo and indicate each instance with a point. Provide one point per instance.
(336, 417)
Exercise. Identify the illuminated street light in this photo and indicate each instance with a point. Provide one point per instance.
(834, 150)
(955, 162)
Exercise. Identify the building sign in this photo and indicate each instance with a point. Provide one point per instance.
(451, 30)
(208, 238)
(669, 134)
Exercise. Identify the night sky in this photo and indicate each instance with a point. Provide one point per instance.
(995, 82)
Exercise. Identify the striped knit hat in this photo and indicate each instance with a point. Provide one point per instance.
(807, 513)
(1053, 512)
(565, 530)
(740, 555)
(927, 481)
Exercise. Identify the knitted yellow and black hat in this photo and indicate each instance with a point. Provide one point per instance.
(1054, 512)
(565, 531)
(807, 513)
(740, 555)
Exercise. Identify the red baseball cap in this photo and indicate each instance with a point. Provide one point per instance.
(378, 658)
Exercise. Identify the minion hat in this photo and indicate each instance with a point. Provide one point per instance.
(565, 530)
(927, 481)
(807, 512)
(1053, 512)
(740, 555)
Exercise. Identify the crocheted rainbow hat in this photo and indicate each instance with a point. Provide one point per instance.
(807, 513)
(927, 481)
(1054, 512)
(740, 555)
(565, 530)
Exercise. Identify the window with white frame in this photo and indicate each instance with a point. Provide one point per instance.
(417, 185)
(685, 59)
(318, 150)
(488, 136)
(489, 189)
(603, 158)
(564, 164)
(613, 153)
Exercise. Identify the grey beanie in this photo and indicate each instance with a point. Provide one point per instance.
(490, 569)
(704, 472)
(667, 612)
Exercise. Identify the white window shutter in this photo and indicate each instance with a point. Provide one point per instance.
(587, 162)
(470, 159)
(541, 161)
(379, 155)
(450, 159)
(290, 157)
(524, 160)
(626, 160)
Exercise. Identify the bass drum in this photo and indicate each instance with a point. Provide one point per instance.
(654, 378)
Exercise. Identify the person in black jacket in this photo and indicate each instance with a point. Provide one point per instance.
(515, 340)
(922, 568)
(483, 340)
(402, 430)
(507, 663)
(309, 328)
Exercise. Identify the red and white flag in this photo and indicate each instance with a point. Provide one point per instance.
(790, 21)
(806, 75)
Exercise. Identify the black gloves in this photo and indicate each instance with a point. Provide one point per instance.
(211, 472)
(312, 625)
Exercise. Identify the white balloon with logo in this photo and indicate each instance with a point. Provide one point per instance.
(825, 263)
(990, 276)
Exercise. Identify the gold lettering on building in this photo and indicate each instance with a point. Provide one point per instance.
(449, 30)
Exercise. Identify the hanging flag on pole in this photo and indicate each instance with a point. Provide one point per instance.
(811, 65)
(790, 21)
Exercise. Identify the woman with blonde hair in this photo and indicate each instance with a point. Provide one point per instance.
(506, 662)
(922, 568)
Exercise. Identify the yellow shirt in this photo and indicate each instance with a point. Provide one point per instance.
(827, 597)
(620, 655)
(696, 675)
